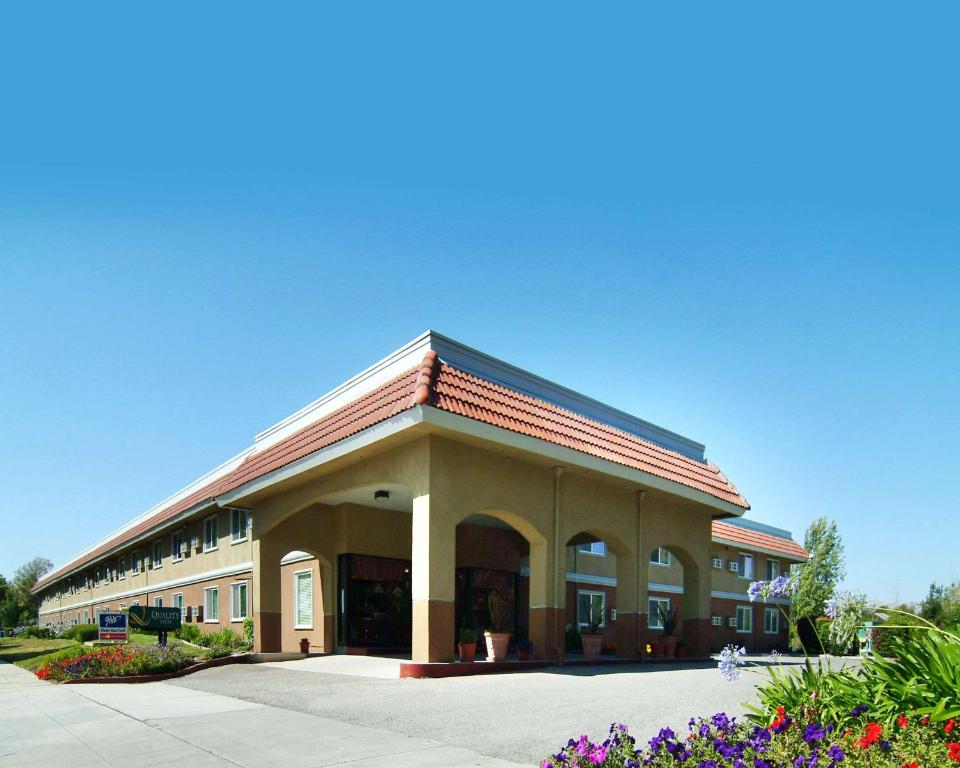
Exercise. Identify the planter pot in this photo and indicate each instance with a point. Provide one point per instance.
(592, 645)
(468, 651)
(657, 648)
(670, 646)
(496, 645)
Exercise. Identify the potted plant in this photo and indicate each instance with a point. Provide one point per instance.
(468, 644)
(668, 620)
(496, 639)
(592, 639)
(524, 649)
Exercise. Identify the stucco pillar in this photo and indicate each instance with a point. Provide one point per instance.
(266, 596)
(642, 576)
(433, 580)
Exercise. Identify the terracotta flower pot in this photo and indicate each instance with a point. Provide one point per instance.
(468, 651)
(497, 645)
(592, 645)
(670, 646)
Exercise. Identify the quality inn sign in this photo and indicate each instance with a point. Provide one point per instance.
(150, 617)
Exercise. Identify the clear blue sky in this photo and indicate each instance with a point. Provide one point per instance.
(740, 222)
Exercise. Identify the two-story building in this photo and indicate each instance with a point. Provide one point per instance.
(383, 515)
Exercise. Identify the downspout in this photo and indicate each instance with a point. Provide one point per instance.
(558, 559)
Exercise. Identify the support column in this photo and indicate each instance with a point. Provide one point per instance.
(642, 579)
(433, 581)
(266, 597)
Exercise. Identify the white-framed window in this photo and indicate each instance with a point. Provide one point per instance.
(660, 556)
(716, 621)
(136, 563)
(773, 569)
(597, 548)
(745, 565)
(176, 600)
(732, 565)
(157, 554)
(591, 608)
(176, 546)
(656, 607)
(771, 621)
(744, 618)
(718, 562)
(239, 519)
(211, 605)
(211, 534)
(96, 578)
(122, 568)
(134, 603)
(158, 601)
(303, 602)
(239, 608)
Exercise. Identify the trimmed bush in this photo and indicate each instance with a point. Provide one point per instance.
(82, 633)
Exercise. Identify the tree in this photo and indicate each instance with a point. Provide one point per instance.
(817, 579)
(23, 579)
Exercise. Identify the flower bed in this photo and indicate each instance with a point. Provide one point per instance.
(786, 742)
(116, 661)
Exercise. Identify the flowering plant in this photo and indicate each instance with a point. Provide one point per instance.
(113, 661)
(789, 740)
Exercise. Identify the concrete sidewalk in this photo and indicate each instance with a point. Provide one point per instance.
(156, 724)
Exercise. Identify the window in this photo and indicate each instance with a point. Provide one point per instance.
(745, 566)
(593, 548)
(718, 562)
(657, 607)
(591, 609)
(96, 577)
(303, 589)
(134, 603)
(717, 621)
(238, 525)
(157, 554)
(176, 600)
(158, 601)
(122, 568)
(773, 569)
(732, 565)
(238, 601)
(176, 546)
(771, 621)
(744, 618)
(660, 556)
(211, 536)
(136, 563)
(211, 605)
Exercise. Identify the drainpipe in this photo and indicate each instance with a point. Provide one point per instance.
(558, 555)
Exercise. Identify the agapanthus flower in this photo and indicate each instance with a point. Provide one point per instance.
(731, 658)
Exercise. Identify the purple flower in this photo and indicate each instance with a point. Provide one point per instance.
(755, 590)
(730, 659)
(814, 732)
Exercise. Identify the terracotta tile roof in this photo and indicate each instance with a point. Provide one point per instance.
(468, 395)
(447, 388)
(751, 538)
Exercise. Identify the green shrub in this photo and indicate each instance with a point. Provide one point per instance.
(830, 645)
(226, 639)
(82, 633)
(248, 630)
(189, 632)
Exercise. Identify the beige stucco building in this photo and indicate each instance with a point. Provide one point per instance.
(381, 516)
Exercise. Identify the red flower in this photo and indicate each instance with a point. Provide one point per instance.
(925, 720)
(871, 735)
(954, 748)
(948, 728)
(902, 721)
(910, 765)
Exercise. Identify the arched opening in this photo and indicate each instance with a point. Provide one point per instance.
(673, 603)
(594, 564)
(493, 579)
(304, 610)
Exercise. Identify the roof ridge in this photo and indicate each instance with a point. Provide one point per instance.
(423, 391)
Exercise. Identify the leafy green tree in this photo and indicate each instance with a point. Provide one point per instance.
(816, 580)
(23, 579)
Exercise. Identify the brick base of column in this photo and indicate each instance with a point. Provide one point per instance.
(266, 632)
(546, 633)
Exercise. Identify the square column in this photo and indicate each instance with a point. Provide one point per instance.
(433, 581)
(266, 597)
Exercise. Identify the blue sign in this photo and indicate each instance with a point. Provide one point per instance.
(113, 626)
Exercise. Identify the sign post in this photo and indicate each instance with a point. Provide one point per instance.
(112, 626)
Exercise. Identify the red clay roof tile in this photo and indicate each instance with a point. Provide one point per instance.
(751, 538)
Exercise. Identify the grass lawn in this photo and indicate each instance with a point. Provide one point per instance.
(20, 649)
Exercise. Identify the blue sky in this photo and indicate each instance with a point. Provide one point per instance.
(738, 222)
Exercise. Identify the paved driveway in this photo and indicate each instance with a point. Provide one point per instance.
(519, 717)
